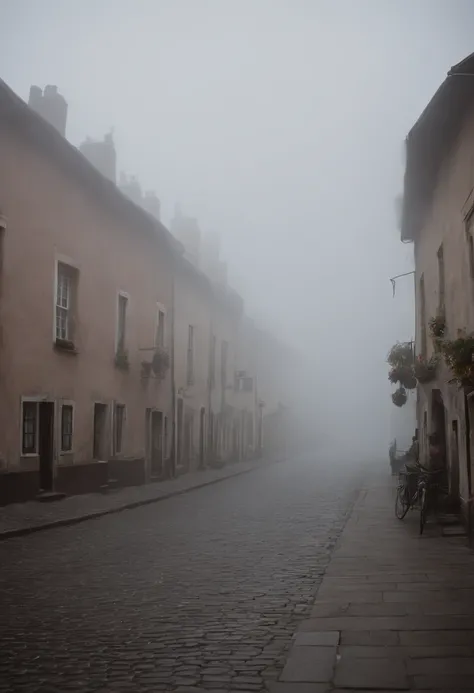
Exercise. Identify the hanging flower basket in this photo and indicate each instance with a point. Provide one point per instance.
(403, 375)
(401, 355)
(160, 362)
(399, 397)
(437, 327)
(425, 370)
(146, 369)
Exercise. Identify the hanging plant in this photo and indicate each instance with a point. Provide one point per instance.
(437, 327)
(160, 362)
(425, 370)
(401, 355)
(400, 358)
(459, 356)
(399, 397)
(145, 369)
(403, 375)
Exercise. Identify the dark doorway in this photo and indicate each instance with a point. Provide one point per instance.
(46, 445)
(156, 431)
(210, 437)
(235, 440)
(179, 433)
(100, 427)
(438, 420)
(454, 467)
(188, 438)
(202, 421)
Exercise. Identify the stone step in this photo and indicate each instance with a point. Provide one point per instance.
(50, 496)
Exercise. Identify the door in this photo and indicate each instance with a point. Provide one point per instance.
(188, 439)
(100, 423)
(454, 475)
(46, 445)
(202, 420)
(179, 433)
(210, 437)
(156, 443)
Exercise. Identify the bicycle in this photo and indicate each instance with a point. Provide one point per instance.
(417, 486)
(429, 489)
(407, 492)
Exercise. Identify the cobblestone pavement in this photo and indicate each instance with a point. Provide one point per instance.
(199, 592)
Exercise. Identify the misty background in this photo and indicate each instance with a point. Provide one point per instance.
(280, 125)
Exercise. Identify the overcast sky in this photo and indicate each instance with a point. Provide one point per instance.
(277, 123)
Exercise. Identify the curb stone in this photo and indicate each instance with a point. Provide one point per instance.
(76, 519)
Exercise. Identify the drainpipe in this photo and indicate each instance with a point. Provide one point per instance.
(211, 365)
(173, 382)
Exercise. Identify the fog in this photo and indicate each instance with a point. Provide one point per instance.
(280, 125)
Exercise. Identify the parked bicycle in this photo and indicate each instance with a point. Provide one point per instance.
(419, 487)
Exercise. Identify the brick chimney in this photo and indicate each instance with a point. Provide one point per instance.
(50, 105)
(151, 203)
(102, 155)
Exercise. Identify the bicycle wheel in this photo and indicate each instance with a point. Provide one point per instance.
(401, 503)
(423, 509)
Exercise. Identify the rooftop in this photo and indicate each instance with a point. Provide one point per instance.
(429, 141)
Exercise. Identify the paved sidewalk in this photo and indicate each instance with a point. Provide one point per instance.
(24, 518)
(395, 611)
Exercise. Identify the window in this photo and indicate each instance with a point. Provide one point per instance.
(2, 240)
(212, 361)
(66, 427)
(65, 302)
(224, 351)
(121, 322)
(423, 317)
(246, 384)
(470, 243)
(119, 421)
(29, 437)
(441, 286)
(160, 328)
(190, 356)
(471, 254)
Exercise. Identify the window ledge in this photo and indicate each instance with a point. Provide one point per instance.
(66, 346)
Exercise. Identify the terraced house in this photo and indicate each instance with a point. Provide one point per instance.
(438, 217)
(119, 357)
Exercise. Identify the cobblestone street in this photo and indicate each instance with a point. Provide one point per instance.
(198, 592)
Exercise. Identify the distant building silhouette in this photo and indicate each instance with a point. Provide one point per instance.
(102, 155)
(50, 105)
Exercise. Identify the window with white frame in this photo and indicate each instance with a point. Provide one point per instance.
(119, 424)
(160, 327)
(29, 428)
(121, 322)
(470, 242)
(66, 285)
(67, 418)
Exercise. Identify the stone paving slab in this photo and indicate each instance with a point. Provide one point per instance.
(402, 605)
(308, 664)
(24, 518)
(279, 687)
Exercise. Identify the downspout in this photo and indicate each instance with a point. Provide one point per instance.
(173, 382)
(211, 365)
